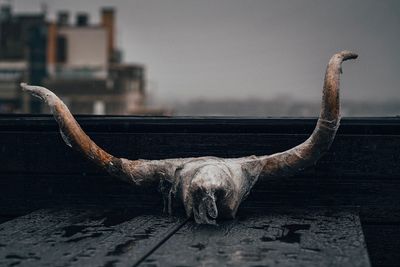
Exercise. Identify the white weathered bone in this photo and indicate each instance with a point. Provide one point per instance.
(209, 187)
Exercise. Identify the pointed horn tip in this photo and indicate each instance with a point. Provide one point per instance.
(24, 86)
(346, 55)
(33, 89)
(39, 92)
(28, 88)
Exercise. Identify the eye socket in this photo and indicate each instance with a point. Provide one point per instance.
(221, 193)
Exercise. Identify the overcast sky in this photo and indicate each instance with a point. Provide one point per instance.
(253, 48)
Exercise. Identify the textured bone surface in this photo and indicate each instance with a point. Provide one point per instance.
(208, 187)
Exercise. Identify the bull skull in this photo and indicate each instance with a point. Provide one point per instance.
(209, 187)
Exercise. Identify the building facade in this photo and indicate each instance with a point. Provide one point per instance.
(22, 57)
(77, 60)
(84, 68)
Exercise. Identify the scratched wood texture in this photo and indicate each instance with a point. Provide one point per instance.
(69, 237)
(277, 238)
(82, 237)
(361, 169)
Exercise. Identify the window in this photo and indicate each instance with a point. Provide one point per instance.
(61, 49)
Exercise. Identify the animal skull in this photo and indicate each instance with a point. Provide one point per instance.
(209, 187)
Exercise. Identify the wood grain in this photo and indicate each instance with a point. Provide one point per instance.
(82, 237)
(278, 238)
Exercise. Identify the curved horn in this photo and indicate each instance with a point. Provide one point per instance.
(307, 153)
(133, 171)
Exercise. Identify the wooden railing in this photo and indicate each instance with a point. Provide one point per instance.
(362, 167)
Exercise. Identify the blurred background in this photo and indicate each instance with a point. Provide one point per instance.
(208, 57)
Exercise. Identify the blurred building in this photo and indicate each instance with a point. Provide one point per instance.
(22, 57)
(75, 59)
(84, 67)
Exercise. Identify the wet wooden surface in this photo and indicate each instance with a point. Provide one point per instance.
(71, 237)
(82, 238)
(285, 238)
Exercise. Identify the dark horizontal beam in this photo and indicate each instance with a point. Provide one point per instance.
(377, 125)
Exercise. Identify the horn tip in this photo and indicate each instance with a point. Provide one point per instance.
(38, 91)
(346, 55)
(27, 87)
(24, 86)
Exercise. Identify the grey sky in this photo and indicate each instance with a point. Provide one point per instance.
(254, 48)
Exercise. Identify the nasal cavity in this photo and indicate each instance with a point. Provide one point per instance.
(211, 206)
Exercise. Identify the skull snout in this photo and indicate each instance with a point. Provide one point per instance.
(209, 189)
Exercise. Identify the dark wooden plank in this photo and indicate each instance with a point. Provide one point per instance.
(278, 238)
(379, 200)
(20, 194)
(127, 243)
(45, 152)
(265, 124)
(84, 238)
(363, 146)
(16, 235)
(383, 243)
(36, 223)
